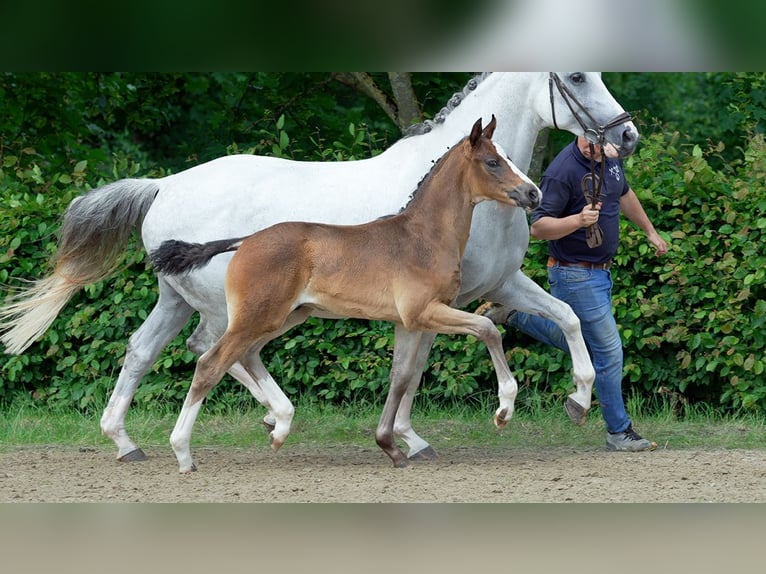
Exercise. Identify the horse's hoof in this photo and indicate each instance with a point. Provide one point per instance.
(425, 454)
(500, 421)
(577, 414)
(133, 456)
(192, 468)
(496, 312)
(403, 463)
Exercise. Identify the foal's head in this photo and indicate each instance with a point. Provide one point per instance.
(492, 174)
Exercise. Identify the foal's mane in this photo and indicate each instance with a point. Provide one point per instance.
(454, 101)
(436, 163)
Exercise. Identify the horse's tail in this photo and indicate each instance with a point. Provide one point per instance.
(173, 257)
(94, 233)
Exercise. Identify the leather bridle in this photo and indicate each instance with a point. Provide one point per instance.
(595, 134)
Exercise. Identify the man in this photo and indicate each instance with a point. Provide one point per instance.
(579, 269)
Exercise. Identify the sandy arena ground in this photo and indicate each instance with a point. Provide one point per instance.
(355, 474)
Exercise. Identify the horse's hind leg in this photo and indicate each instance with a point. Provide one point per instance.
(165, 321)
(280, 407)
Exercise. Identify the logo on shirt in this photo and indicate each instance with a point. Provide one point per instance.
(616, 172)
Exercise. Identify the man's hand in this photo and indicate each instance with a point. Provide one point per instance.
(589, 215)
(660, 247)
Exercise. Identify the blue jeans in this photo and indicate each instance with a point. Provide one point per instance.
(589, 293)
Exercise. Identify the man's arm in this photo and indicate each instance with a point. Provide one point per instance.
(551, 228)
(634, 211)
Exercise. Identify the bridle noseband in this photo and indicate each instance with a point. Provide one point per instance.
(596, 134)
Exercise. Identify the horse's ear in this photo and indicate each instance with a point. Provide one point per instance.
(475, 133)
(490, 129)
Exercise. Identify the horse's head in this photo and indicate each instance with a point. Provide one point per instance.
(494, 176)
(580, 103)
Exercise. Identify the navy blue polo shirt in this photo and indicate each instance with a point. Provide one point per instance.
(562, 196)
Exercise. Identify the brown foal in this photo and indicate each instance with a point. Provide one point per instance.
(404, 269)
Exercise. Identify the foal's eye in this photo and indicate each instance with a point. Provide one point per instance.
(577, 78)
(493, 163)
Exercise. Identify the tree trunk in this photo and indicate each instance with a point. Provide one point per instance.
(409, 111)
(403, 109)
(538, 154)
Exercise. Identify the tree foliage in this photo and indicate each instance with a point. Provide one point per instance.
(692, 323)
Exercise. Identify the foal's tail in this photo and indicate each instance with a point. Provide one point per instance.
(94, 234)
(173, 257)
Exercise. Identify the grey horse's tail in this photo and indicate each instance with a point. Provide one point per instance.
(173, 257)
(93, 236)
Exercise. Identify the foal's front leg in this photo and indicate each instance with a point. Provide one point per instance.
(410, 373)
(442, 318)
(405, 355)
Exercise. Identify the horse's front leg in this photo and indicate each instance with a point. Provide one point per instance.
(523, 294)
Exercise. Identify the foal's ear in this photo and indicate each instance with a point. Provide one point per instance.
(475, 133)
(490, 129)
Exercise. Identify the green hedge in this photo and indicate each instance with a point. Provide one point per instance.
(692, 322)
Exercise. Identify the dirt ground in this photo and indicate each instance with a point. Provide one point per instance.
(355, 474)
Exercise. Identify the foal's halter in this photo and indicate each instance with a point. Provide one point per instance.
(596, 134)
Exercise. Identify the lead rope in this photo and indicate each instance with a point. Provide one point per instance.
(594, 235)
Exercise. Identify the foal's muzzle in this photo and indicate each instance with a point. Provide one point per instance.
(526, 195)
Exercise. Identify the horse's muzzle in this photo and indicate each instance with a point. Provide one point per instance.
(624, 138)
(526, 195)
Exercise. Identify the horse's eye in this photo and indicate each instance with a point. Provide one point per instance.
(577, 78)
(493, 163)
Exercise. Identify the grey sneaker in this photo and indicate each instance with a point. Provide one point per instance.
(628, 440)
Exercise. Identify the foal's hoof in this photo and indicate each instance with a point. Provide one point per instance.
(270, 426)
(500, 421)
(133, 456)
(403, 463)
(576, 412)
(275, 443)
(425, 454)
(192, 468)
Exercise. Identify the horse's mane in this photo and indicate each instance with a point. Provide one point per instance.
(454, 101)
(427, 126)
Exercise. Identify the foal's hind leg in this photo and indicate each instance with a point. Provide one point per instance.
(210, 369)
(261, 384)
(165, 321)
(205, 337)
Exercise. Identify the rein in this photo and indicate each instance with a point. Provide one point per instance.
(594, 135)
